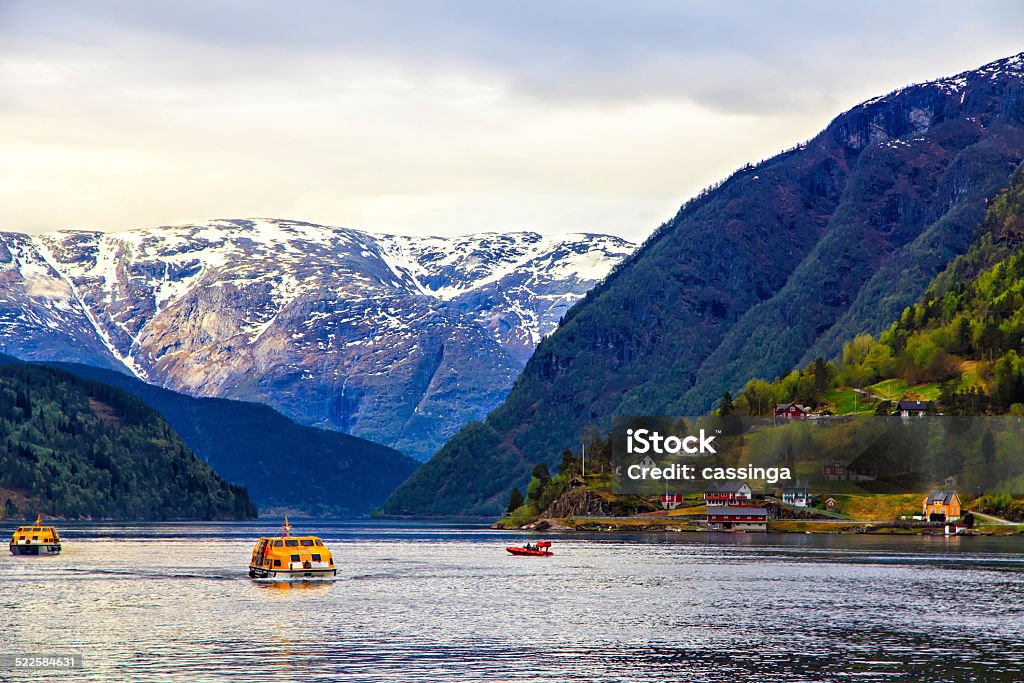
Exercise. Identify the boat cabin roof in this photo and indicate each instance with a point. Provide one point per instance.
(293, 541)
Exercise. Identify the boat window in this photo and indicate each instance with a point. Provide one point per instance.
(316, 557)
(306, 542)
(35, 538)
(291, 543)
(319, 542)
(277, 563)
(278, 544)
(295, 558)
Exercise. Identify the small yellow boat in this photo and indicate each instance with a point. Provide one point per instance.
(36, 539)
(291, 557)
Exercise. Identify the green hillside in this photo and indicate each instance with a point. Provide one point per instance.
(281, 463)
(958, 347)
(750, 277)
(74, 448)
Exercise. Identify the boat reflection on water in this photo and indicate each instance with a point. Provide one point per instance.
(294, 585)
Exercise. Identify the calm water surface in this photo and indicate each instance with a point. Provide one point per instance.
(172, 602)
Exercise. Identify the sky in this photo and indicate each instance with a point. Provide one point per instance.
(432, 117)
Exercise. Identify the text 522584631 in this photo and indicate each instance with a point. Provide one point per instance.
(29, 661)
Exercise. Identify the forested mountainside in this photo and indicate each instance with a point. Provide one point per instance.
(70, 447)
(777, 265)
(958, 347)
(397, 339)
(282, 464)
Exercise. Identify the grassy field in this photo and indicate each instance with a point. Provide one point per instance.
(897, 388)
(881, 506)
(847, 401)
(971, 374)
(689, 511)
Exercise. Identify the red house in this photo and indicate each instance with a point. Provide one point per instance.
(727, 493)
(837, 471)
(670, 501)
(791, 411)
(834, 471)
(738, 518)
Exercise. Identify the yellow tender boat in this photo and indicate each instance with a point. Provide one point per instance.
(36, 539)
(291, 557)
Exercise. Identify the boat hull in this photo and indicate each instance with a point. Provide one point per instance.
(283, 574)
(529, 553)
(35, 548)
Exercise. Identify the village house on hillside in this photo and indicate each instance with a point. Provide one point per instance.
(647, 462)
(942, 506)
(906, 408)
(839, 471)
(727, 493)
(671, 501)
(791, 411)
(738, 518)
(797, 494)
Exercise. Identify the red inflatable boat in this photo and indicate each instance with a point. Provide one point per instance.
(539, 550)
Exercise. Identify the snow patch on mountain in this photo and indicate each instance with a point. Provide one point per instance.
(401, 339)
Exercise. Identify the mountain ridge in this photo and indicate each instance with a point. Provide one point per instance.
(397, 339)
(751, 275)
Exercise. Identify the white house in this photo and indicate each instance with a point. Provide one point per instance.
(797, 494)
(727, 493)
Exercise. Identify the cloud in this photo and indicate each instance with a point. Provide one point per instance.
(736, 56)
(126, 113)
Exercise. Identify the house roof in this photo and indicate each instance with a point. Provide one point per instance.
(779, 407)
(738, 512)
(797, 486)
(940, 497)
(911, 405)
(725, 486)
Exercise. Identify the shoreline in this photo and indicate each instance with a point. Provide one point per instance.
(839, 527)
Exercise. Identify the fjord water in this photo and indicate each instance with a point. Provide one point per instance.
(172, 602)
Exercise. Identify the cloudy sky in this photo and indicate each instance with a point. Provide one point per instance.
(437, 117)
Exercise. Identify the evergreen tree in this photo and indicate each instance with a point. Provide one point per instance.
(515, 501)
(988, 449)
(568, 466)
(725, 405)
(823, 375)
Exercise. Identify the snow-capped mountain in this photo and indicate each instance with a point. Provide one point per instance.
(397, 339)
